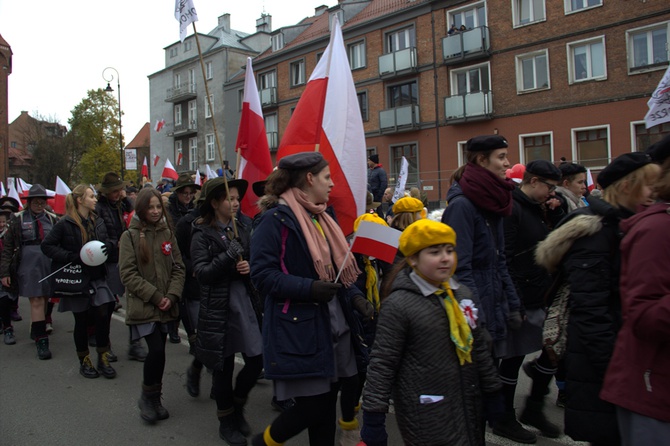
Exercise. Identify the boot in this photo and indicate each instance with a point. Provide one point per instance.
(136, 351)
(193, 381)
(112, 356)
(228, 430)
(238, 416)
(507, 426)
(161, 412)
(265, 439)
(104, 367)
(191, 344)
(533, 415)
(42, 345)
(350, 434)
(146, 405)
(86, 368)
(10, 339)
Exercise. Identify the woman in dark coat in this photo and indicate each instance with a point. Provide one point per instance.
(63, 244)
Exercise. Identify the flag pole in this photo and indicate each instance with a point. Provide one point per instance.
(211, 111)
(344, 262)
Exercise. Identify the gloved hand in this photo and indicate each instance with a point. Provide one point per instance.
(373, 432)
(363, 306)
(493, 407)
(514, 320)
(235, 250)
(323, 292)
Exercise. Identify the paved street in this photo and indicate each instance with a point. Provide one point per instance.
(49, 403)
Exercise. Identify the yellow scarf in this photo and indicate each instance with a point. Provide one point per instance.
(371, 283)
(461, 334)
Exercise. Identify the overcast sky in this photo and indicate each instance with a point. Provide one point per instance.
(60, 48)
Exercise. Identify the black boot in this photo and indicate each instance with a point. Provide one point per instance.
(193, 381)
(507, 426)
(161, 412)
(104, 367)
(146, 405)
(42, 345)
(238, 416)
(228, 430)
(86, 368)
(136, 351)
(533, 415)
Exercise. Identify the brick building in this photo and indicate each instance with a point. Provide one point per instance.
(5, 71)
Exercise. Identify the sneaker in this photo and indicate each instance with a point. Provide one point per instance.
(9, 336)
(136, 352)
(43, 351)
(15, 316)
(282, 405)
(50, 328)
(87, 370)
(561, 399)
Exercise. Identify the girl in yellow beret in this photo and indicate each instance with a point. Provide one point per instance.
(406, 211)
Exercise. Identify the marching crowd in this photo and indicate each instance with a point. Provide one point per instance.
(441, 334)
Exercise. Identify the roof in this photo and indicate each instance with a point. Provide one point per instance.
(141, 139)
(20, 157)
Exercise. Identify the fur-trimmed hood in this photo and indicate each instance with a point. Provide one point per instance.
(267, 202)
(551, 250)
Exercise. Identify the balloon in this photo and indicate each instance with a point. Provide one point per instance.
(516, 172)
(92, 253)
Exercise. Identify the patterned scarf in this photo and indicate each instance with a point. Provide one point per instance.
(460, 332)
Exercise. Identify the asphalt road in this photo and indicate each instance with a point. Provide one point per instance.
(49, 403)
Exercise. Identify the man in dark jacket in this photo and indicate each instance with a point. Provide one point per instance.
(377, 179)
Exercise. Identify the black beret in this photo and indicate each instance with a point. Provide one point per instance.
(259, 188)
(569, 169)
(374, 158)
(621, 166)
(659, 151)
(485, 143)
(299, 161)
(544, 169)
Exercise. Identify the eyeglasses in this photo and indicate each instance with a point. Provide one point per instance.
(552, 187)
(37, 202)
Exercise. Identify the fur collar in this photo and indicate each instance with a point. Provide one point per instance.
(551, 250)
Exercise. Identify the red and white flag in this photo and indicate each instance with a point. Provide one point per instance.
(169, 171)
(61, 192)
(145, 168)
(209, 173)
(22, 186)
(252, 141)
(589, 180)
(160, 123)
(3, 192)
(328, 119)
(185, 13)
(156, 158)
(14, 194)
(180, 158)
(198, 180)
(375, 240)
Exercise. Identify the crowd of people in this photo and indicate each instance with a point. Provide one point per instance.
(441, 333)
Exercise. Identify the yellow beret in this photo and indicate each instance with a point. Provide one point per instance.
(369, 216)
(424, 233)
(407, 204)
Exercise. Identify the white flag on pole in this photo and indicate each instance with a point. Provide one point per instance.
(184, 12)
(402, 179)
(659, 103)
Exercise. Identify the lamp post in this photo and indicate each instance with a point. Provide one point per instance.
(118, 92)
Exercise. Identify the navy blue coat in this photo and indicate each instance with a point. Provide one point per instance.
(482, 267)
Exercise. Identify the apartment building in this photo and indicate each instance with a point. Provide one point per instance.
(559, 79)
(5, 71)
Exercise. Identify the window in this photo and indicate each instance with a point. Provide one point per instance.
(403, 94)
(532, 71)
(188, 45)
(363, 104)
(648, 47)
(173, 52)
(527, 11)
(319, 55)
(646, 137)
(470, 80)
(192, 114)
(240, 99)
(177, 150)
(297, 72)
(277, 41)
(411, 153)
(208, 111)
(193, 153)
(271, 131)
(591, 146)
(177, 115)
(473, 16)
(535, 147)
(191, 80)
(586, 60)
(400, 40)
(208, 70)
(357, 55)
(177, 79)
(209, 146)
(579, 5)
(267, 80)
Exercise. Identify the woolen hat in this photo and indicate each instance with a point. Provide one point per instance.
(621, 166)
(424, 233)
(659, 151)
(486, 143)
(407, 204)
(185, 180)
(299, 161)
(111, 182)
(37, 191)
(374, 158)
(569, 169)
(215, 185)
(544, 169)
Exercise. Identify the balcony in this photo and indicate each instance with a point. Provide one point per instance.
(469, 107)
(399, 119)
(397, 63)
(273, 141)
(181, 92)
(268, 97)
(185, 128)
(467, 45)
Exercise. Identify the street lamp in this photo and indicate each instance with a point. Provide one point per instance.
(118, 92)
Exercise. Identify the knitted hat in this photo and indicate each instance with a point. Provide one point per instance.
(424, 233)
(407, 204)
(374, 158)
(371, 217)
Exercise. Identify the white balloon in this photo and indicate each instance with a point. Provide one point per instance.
(92, 254)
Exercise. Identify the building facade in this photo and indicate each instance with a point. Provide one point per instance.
(5, 71)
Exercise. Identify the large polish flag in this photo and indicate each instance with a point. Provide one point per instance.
(169, 171)
(62, 190)
(590, 185)
(328, 119)
(252, 142)
(145, 168)
(375, 240)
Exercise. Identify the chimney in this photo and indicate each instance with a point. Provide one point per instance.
(320, 10)
(224, 21)
(264, 24)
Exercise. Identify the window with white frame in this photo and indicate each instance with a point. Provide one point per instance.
(178, 149)
(586, 60)
(580, 5)
(472, 16)
(278, 41)
(363, 104)
(208, 70)
(400, 39)
(462, 156)
(411, 153)
(525, 12)
(271, 130)
(591, 146)
(644, 137)
(173, 52)
(357, 55)
(535, 147)
(470, 80)
(193, 153)
(208, 110)
(188, 45)
(177, 79)
(532, 71)
(192, 114)
(297, 72)
(209, 146)
(648, 47)
(267, 80)
(177, 114)
(191, 79)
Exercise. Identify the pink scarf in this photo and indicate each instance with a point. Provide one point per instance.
(321, 246)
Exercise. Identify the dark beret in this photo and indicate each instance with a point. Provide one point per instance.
(569, 169)
(259, 188)
(659, 151)
(621, 166)
(299, 161)
(374, 158)
(544, 169)
(485, 143)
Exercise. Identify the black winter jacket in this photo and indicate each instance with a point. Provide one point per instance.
(184, 234)
(377, 182)
(177, 210)
(112, 215)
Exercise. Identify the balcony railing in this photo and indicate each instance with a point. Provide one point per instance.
(181, 92)
(398, 62)
(184, 128)
(273, 141)
(268, 97)
(399, 119)
(469, 107)
(471, 44)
